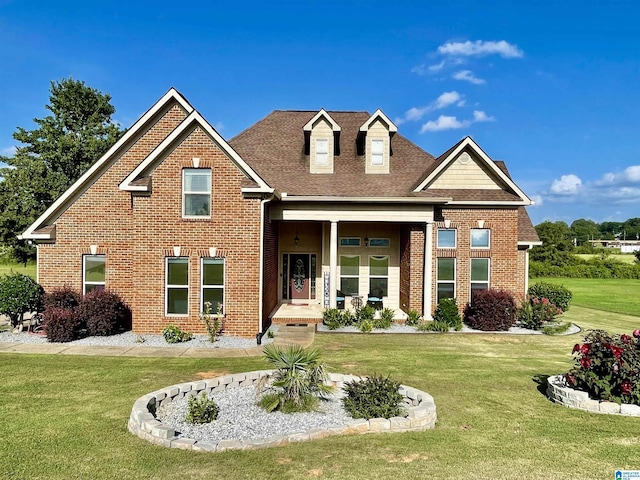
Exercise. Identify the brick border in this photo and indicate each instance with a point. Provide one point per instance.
(420, 408)
(559, 392)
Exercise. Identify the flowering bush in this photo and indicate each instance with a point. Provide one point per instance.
(559, 295)
(535, 313)
(607, 366)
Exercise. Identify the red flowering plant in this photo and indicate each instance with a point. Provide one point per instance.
(535, 312)
(607, 367)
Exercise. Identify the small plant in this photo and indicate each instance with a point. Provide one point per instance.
(556, 329)
(447, 314)
(270, 334)
(212, 323)
(559, 295)
(19, 294)
(297, 382)
(425, 325)
(103, 313)
(365, 325)
(61, 324)
(202, 409)
(173, 334)
(364, 318)
(386, 319)
(537, 312)
(491, 310)
(413, 318)
(332, 318)
(437, 326)
(374, 397)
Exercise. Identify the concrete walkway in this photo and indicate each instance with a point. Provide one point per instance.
(302, 335)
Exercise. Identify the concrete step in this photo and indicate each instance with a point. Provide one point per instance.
(302, 335)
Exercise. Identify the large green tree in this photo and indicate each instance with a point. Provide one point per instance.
(52, 156)
(557, 243)
(584, 230)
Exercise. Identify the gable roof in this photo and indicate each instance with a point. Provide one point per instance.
(378, 114)
(322, 114)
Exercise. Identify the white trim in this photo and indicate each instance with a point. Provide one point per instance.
(341, 276)
(331, 199)
(378, 114)
(185, 193)
(455, 275)
(488, 247)
(529, 244)
(427, 289)
(52, 211)
(333, 263)
(350, 238)
(202, 285)
(488, 282)
(388, 239)
(455, 238)
(84, 272)
(322, 113)
(468, 141)
(388, 257)
(167, 286)
(489, 203)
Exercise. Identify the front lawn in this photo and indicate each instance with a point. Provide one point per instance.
(65, 416)
(12, 267)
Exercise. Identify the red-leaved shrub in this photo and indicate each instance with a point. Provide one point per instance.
(62, 297)
(61, 324)
(492, 310)
(103, 312)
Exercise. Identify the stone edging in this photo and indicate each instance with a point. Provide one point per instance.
(419, 406)
(559, 392)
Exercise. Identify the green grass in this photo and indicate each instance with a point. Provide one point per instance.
(621, 257)
(65, 416)
(29, 269)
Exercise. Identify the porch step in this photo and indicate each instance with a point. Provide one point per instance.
(299, 334)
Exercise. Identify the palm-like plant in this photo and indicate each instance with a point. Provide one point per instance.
(297, 382)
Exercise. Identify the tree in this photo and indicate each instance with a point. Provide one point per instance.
(556, 243)
(19, 294)
(584, 230)
(53, 156)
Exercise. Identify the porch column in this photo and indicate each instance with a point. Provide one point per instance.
(428, 271)
(333, 264)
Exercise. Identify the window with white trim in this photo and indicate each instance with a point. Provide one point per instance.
(349, 241)
(212, 283)
(379, 275)
(446, 278)
(480, 237)
(177, 286)
(350, 274)
(93, 272)
(447, 238)
(196, 193)
(479, 275)
(377, 152)
(379, 242)
(322, 151)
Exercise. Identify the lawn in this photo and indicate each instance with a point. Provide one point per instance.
(29, 269)
(620, 257)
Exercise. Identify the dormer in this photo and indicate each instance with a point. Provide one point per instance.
(322, 135)
(375, 142)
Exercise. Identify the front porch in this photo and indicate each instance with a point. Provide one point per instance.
(311, 313)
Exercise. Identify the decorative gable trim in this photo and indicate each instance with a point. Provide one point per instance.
(378, 114)
(321, 114)
(451, 155)
(34, 232)
(194, 119)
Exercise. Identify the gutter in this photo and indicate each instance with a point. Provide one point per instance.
(260, 333)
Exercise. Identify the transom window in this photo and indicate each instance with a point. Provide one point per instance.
(446, 278)
(349, 241)
(379, 275)
(377, 152)
(480, 237)
(93, 273)
(479, 275)
(177, 286)
(446, 238)
(350, 274)
(196, 192)
(212, 283)
(322, 151)
(379, 242)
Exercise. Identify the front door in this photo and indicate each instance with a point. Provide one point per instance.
(299, 277)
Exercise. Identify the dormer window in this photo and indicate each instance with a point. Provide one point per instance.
(375, 136)
(377, 152)
(322, 142)
(322, 151)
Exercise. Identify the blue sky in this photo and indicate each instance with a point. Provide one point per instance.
(552, 88)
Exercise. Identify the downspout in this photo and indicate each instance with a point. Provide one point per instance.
(526, 270)
(260, 333)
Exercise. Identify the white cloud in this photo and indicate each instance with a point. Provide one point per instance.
(630, 174)
(9, 151)
(468, 76)
(219, 126)
(537, 200)
(446, 99)
(443, 122)
(481, 48)
(480, 116)
(566, 185)
(424, 69)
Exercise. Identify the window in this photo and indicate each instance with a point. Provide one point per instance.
(446, 278)
(93, 277)
(377, 152)
(349, 241)
(479, 275)
(350, 274)
(212, 283)
(177, 286)
(379, 275)
(446, 238)
(322, 151)
(379, 242)
(196, 192)
(480, 238)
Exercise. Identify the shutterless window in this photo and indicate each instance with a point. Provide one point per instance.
(379, 275)
(349, 241)
(322, 151)
(480, 237)
(196, 192)
(177, 286)
(479, 275)
(379, 242)
(377, 152)
(350, 274)
(93, 273)
(212, 283)
(446, 238)
(446, 278)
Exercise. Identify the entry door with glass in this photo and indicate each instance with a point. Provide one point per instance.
(298, 276)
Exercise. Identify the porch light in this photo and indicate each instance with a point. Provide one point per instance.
(366, 241)
(296, 240)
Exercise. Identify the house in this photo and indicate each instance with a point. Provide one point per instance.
(301, 211)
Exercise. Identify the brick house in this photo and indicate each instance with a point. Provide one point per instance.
(301, 211)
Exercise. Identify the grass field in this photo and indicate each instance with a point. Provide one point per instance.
(30, 269)
(622, 257)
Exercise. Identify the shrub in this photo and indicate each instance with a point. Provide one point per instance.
(61, 324)
(173, 334)
(297, 382)
(365, 325)
(559, 295)
(374, 397)
(62, 297)
(212, 322)
(536, 312)
(103, 313)
(413, 318)
(332, 318)
(19, 294)
(448, 314)
(202, 409)
(492, 310)
(435, 326)
(364, 318)
(385, 320)
(607, 367)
